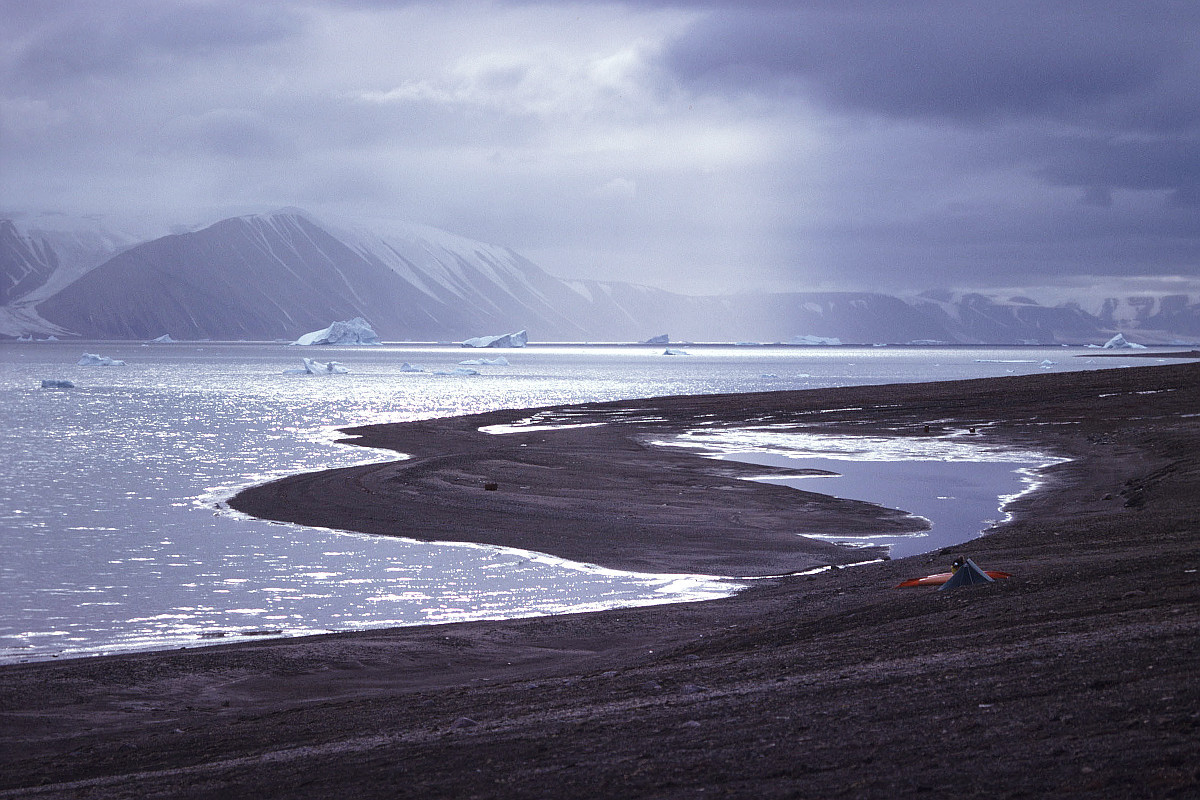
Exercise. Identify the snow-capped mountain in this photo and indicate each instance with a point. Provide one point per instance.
(1168, 315)
(282, 274)
(981, 319)
(43, 253)
(275, 276)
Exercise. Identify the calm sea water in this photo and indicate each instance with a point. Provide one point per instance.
(110, 538)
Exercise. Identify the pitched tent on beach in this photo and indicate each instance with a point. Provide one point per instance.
(969, 573)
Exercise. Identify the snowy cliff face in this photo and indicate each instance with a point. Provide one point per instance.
(1177, 314)
(25, 262)
(40, 254)
(972, 318)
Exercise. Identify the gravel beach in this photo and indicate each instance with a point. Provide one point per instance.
(1078, 676)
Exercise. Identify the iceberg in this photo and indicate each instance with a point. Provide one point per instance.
(1119, 342)
(93, 360)
(662, 338)
(352, 331)
(456, 371)
(814, 340)
(407, 367)
(500, 361)
(312, 367)
(57, 383)
(670, 351)
(518, 339)
(164, 339)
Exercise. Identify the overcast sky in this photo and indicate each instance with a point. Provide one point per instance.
(839, 144)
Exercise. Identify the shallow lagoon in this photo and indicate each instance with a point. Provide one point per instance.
(110, 534)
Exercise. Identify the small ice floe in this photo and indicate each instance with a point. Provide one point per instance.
(500, 361)
(352, 331)
(1047, 363)
(671, 351)
(456, 371)
(312, 367)
(93, 360)
(407, 367)
(57, 383)
(518, 339)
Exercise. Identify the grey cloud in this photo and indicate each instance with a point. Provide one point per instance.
(1124, 163)
(953, 60)
(226, 133)
(1185, 197)
(65, 42)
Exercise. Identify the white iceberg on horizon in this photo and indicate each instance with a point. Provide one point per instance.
(352, 331)
(518, 339)
(814, 340)
(1119, 342)
(164, 339)
(662, 338)
(93, 360)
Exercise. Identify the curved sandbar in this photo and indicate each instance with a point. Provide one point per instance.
(598, 494)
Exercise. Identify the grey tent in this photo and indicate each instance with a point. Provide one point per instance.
(966, 575)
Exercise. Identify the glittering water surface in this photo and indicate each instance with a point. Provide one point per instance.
(109, 535)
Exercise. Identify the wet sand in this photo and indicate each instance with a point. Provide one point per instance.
(1077, 676)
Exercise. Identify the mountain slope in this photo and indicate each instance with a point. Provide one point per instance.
(40, 254)
(276, 276)
(279, 275)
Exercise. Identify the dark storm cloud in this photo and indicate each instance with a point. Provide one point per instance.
(956, 60)
(990, 107)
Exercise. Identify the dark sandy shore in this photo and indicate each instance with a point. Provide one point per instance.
(1079, 676)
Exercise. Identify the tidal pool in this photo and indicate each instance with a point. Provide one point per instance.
(959, 484)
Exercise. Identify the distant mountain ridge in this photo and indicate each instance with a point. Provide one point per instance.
(279, 275)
